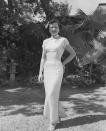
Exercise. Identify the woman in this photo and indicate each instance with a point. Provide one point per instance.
(51, 68)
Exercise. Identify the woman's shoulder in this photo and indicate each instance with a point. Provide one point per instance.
(65, 41)
(64, 38)
(46, 40)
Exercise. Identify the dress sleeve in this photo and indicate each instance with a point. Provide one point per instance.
(43, 45)
(66, 42)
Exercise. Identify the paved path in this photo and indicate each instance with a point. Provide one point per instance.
(21, 109)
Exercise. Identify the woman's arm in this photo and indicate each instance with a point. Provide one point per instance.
(69, 48)
(43, 58)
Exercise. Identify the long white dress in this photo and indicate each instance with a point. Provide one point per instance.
(53, 74)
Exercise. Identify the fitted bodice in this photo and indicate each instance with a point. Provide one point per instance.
(54, 48)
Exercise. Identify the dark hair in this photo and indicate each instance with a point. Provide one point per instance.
(55, 21)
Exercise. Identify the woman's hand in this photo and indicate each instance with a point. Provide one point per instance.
(40, 77)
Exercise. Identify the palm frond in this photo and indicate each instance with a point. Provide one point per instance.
(99, 15)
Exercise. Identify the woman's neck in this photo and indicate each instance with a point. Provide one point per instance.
(55, 36)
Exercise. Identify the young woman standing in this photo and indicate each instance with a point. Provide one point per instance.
(51, 70)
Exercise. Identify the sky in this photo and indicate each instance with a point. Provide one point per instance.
(88, 6)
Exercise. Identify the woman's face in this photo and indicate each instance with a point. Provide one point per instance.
(54, 29)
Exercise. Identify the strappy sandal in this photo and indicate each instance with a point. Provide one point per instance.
(52, 127)
(59, 119)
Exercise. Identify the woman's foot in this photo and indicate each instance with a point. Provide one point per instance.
(52, 127)
(59, 119)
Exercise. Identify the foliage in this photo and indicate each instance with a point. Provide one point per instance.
(91, 74)
(88, 75)
(22, 34)
(60, 9)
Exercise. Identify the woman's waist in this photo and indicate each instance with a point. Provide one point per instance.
(53, 66)
(53, 62)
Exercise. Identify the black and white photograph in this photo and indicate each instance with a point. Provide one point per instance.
(52, 65)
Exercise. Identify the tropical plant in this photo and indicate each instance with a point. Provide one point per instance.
(19, 27)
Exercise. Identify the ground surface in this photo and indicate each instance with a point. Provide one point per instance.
(21, 109)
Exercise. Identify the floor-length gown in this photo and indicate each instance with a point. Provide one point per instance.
(53, 74)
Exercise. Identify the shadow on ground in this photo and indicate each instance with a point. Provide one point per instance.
(77, 102)
(81, 121)
(84, 105)
(85, 100)
(27, 101)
